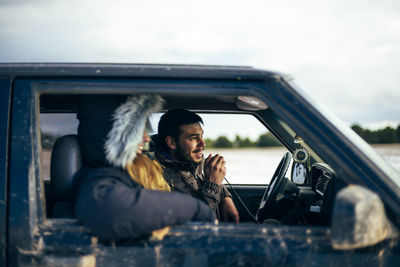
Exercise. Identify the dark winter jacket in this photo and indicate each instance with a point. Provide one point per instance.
(108, 201)
(187, 177)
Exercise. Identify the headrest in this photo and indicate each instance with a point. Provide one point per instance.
(66, 160)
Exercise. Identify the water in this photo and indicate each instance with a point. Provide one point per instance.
(257, 165)
(391, 153)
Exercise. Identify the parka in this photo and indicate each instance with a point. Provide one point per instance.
(107, 200)
(188, 177)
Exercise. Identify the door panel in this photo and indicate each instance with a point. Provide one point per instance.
(250, 196)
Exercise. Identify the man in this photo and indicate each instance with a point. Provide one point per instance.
(179, 149)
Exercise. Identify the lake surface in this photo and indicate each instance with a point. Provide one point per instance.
(257, 165)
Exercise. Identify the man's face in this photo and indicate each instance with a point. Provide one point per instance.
(190, 144)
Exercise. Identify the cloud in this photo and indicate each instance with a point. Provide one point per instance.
(344, 53)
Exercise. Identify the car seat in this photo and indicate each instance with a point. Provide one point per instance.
(66, 160)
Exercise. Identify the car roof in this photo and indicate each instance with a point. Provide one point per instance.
(143, 71)
(136, 70)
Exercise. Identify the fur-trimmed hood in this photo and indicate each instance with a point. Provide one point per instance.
(111, 128)
(129, 123)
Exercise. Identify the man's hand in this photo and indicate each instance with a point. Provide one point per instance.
(214, 169)
(228, 211)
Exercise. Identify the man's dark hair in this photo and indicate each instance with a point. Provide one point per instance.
(170, 123)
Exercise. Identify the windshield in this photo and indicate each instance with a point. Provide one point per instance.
(357, 141)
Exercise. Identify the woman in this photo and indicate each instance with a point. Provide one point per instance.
(121, 192)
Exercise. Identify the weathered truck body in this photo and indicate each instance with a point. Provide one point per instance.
(30, 236)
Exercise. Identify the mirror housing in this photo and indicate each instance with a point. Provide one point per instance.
(250, 103)
(359, 219)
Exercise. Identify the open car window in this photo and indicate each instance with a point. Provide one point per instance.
(250, 150)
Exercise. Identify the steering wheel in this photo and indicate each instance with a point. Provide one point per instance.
(269, 197)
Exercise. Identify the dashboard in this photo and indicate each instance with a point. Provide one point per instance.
(326, 184)
(321, 176)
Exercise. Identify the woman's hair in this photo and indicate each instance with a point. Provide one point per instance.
(147, 173)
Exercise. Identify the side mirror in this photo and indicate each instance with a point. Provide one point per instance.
(359, 219)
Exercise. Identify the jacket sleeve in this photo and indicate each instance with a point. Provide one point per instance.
(225, 193)
(112, 210)
(211, 193)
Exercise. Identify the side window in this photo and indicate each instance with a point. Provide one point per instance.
(53, 126)
(251, 152)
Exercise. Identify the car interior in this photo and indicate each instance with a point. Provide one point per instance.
(301, 190)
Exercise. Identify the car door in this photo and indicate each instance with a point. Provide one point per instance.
(35, 238)
(5, 92)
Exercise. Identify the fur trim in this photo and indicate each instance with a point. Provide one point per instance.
(129, 123)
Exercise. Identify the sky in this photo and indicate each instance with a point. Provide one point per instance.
(344, 53)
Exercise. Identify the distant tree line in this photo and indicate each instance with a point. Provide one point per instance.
(386, 135)
(48, 140)
(264, 140)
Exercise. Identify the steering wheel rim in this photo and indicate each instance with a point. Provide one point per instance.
(272, 190)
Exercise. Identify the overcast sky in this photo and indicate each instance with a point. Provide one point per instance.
(346, 53)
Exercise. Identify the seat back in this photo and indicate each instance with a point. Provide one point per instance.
(66, 161)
